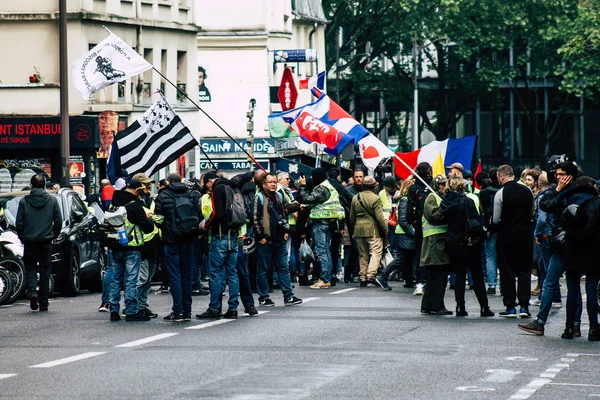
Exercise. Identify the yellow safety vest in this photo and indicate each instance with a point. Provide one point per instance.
(149, 236)
(399, 230)
(430, 229)
(385, 204)
(288, 199)
(332, 208)
(475, 199)
(206, 205)
(135, 234)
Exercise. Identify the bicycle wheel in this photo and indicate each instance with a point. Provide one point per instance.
(16, 270)
(6, 288)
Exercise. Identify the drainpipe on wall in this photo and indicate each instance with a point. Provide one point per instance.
(310, 45)
(140, 49)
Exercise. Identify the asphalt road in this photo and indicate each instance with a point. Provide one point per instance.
(342, 343)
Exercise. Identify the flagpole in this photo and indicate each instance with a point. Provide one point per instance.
(213, 121)
(417, 176)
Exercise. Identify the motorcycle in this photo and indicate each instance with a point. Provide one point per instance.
(11, 254)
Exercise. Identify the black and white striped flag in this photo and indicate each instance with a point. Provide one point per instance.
(154, 141)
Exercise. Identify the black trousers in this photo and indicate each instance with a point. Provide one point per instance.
(435, 288)
(404, 263)
(37, 257)
(469, 262)
(514, 262)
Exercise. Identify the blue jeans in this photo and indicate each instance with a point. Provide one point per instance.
(147, 270)
(178, 259)
(491, 264)
(551, 288)
(322, 232)
(543, 262)
(574, 305)
(244, 278)
(273, 254)
(125, 264)
(222, 263)
(196, 264)
(108, 277)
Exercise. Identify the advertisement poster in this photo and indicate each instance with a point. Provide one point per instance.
(203, 91)
(76, 174)
(108, 122)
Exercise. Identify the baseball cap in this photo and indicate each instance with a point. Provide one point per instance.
(457, 166)
(134, 184)
(143, 178)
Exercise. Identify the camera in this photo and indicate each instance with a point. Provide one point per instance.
(284, 225)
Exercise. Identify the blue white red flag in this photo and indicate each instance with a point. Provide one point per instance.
(326, 123)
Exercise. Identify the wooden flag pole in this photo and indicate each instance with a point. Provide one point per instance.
(213, 121)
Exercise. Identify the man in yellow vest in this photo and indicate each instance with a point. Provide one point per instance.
(150, 249)
(327, 215)
(125, 261)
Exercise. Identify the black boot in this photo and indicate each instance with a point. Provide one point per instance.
(461, 311)
(594, 334)
(303, 280)
(569, 332)
(486, 312)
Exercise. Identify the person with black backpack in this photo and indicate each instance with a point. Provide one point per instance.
(180, 209)
(228, 216)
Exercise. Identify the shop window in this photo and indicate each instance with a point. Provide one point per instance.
(163, 69)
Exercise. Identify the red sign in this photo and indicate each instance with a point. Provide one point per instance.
(287, 93)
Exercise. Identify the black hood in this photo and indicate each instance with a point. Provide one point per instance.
(37, 198)
(249, 187)
(451, 200)
(122, 197)
(227, 182)
(177, 187)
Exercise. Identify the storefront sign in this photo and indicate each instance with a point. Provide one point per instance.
(229, 165)
(296, 55)
(287, 93)
(228, 146)
(19, 133)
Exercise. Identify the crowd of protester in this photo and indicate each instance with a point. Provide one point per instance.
(258, 232)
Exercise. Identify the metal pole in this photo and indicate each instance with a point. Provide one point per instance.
(512, 112)
(64, 94)
(415, 135)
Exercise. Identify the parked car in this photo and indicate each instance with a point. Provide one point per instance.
(78, 259)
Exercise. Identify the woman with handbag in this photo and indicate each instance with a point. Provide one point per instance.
(463, 244)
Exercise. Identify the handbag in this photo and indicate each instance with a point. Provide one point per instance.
(393, 219)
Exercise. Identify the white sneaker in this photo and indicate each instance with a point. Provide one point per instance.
(535, 302)
(556, 304)
(418, 290)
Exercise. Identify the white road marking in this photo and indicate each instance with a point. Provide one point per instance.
(567, 360)
(521, 359)
(530, 389)
(67, 360)
(259, 313)
(212, 323)
(4, 376)
(589, 355)
(574, 384)
(475, 389)
(501, 375)
(344, 290)
(308, 300)
(148, 340)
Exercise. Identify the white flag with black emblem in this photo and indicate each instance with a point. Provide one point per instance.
(110, 61)
(154, 141)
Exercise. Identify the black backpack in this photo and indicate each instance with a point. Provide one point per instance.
(580, 222)
(235, 208)
(184, 217)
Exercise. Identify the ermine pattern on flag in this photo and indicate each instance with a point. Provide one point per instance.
(154, 141)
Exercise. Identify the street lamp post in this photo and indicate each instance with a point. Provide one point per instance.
(416, 49)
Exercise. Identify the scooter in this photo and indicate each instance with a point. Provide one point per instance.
(11, 254)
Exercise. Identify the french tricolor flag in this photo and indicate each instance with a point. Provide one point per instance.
(317, 81)
(450, 150)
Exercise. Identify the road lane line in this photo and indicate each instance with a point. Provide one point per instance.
(344, 290)
(530, 389)
(209, 324)
(574, 384)
(148, 340)
(4, 376)
(308, 300)
(67, 360)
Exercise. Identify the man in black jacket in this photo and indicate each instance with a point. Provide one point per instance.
(512, 219)
(486, 203)
(125, 261)
(39, 221)
(178, 251)
(336, 240)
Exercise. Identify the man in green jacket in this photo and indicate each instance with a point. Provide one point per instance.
(370, 229)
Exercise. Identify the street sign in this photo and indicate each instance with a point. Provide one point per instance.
(296, 55)
(287, 93)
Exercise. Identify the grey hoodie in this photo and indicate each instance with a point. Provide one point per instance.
(38, 218)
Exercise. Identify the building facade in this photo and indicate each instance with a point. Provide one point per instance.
(163, 31)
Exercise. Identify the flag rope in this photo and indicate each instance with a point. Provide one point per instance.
(213, 121)
(417, 176)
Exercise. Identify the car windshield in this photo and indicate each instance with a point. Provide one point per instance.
(10, 205)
